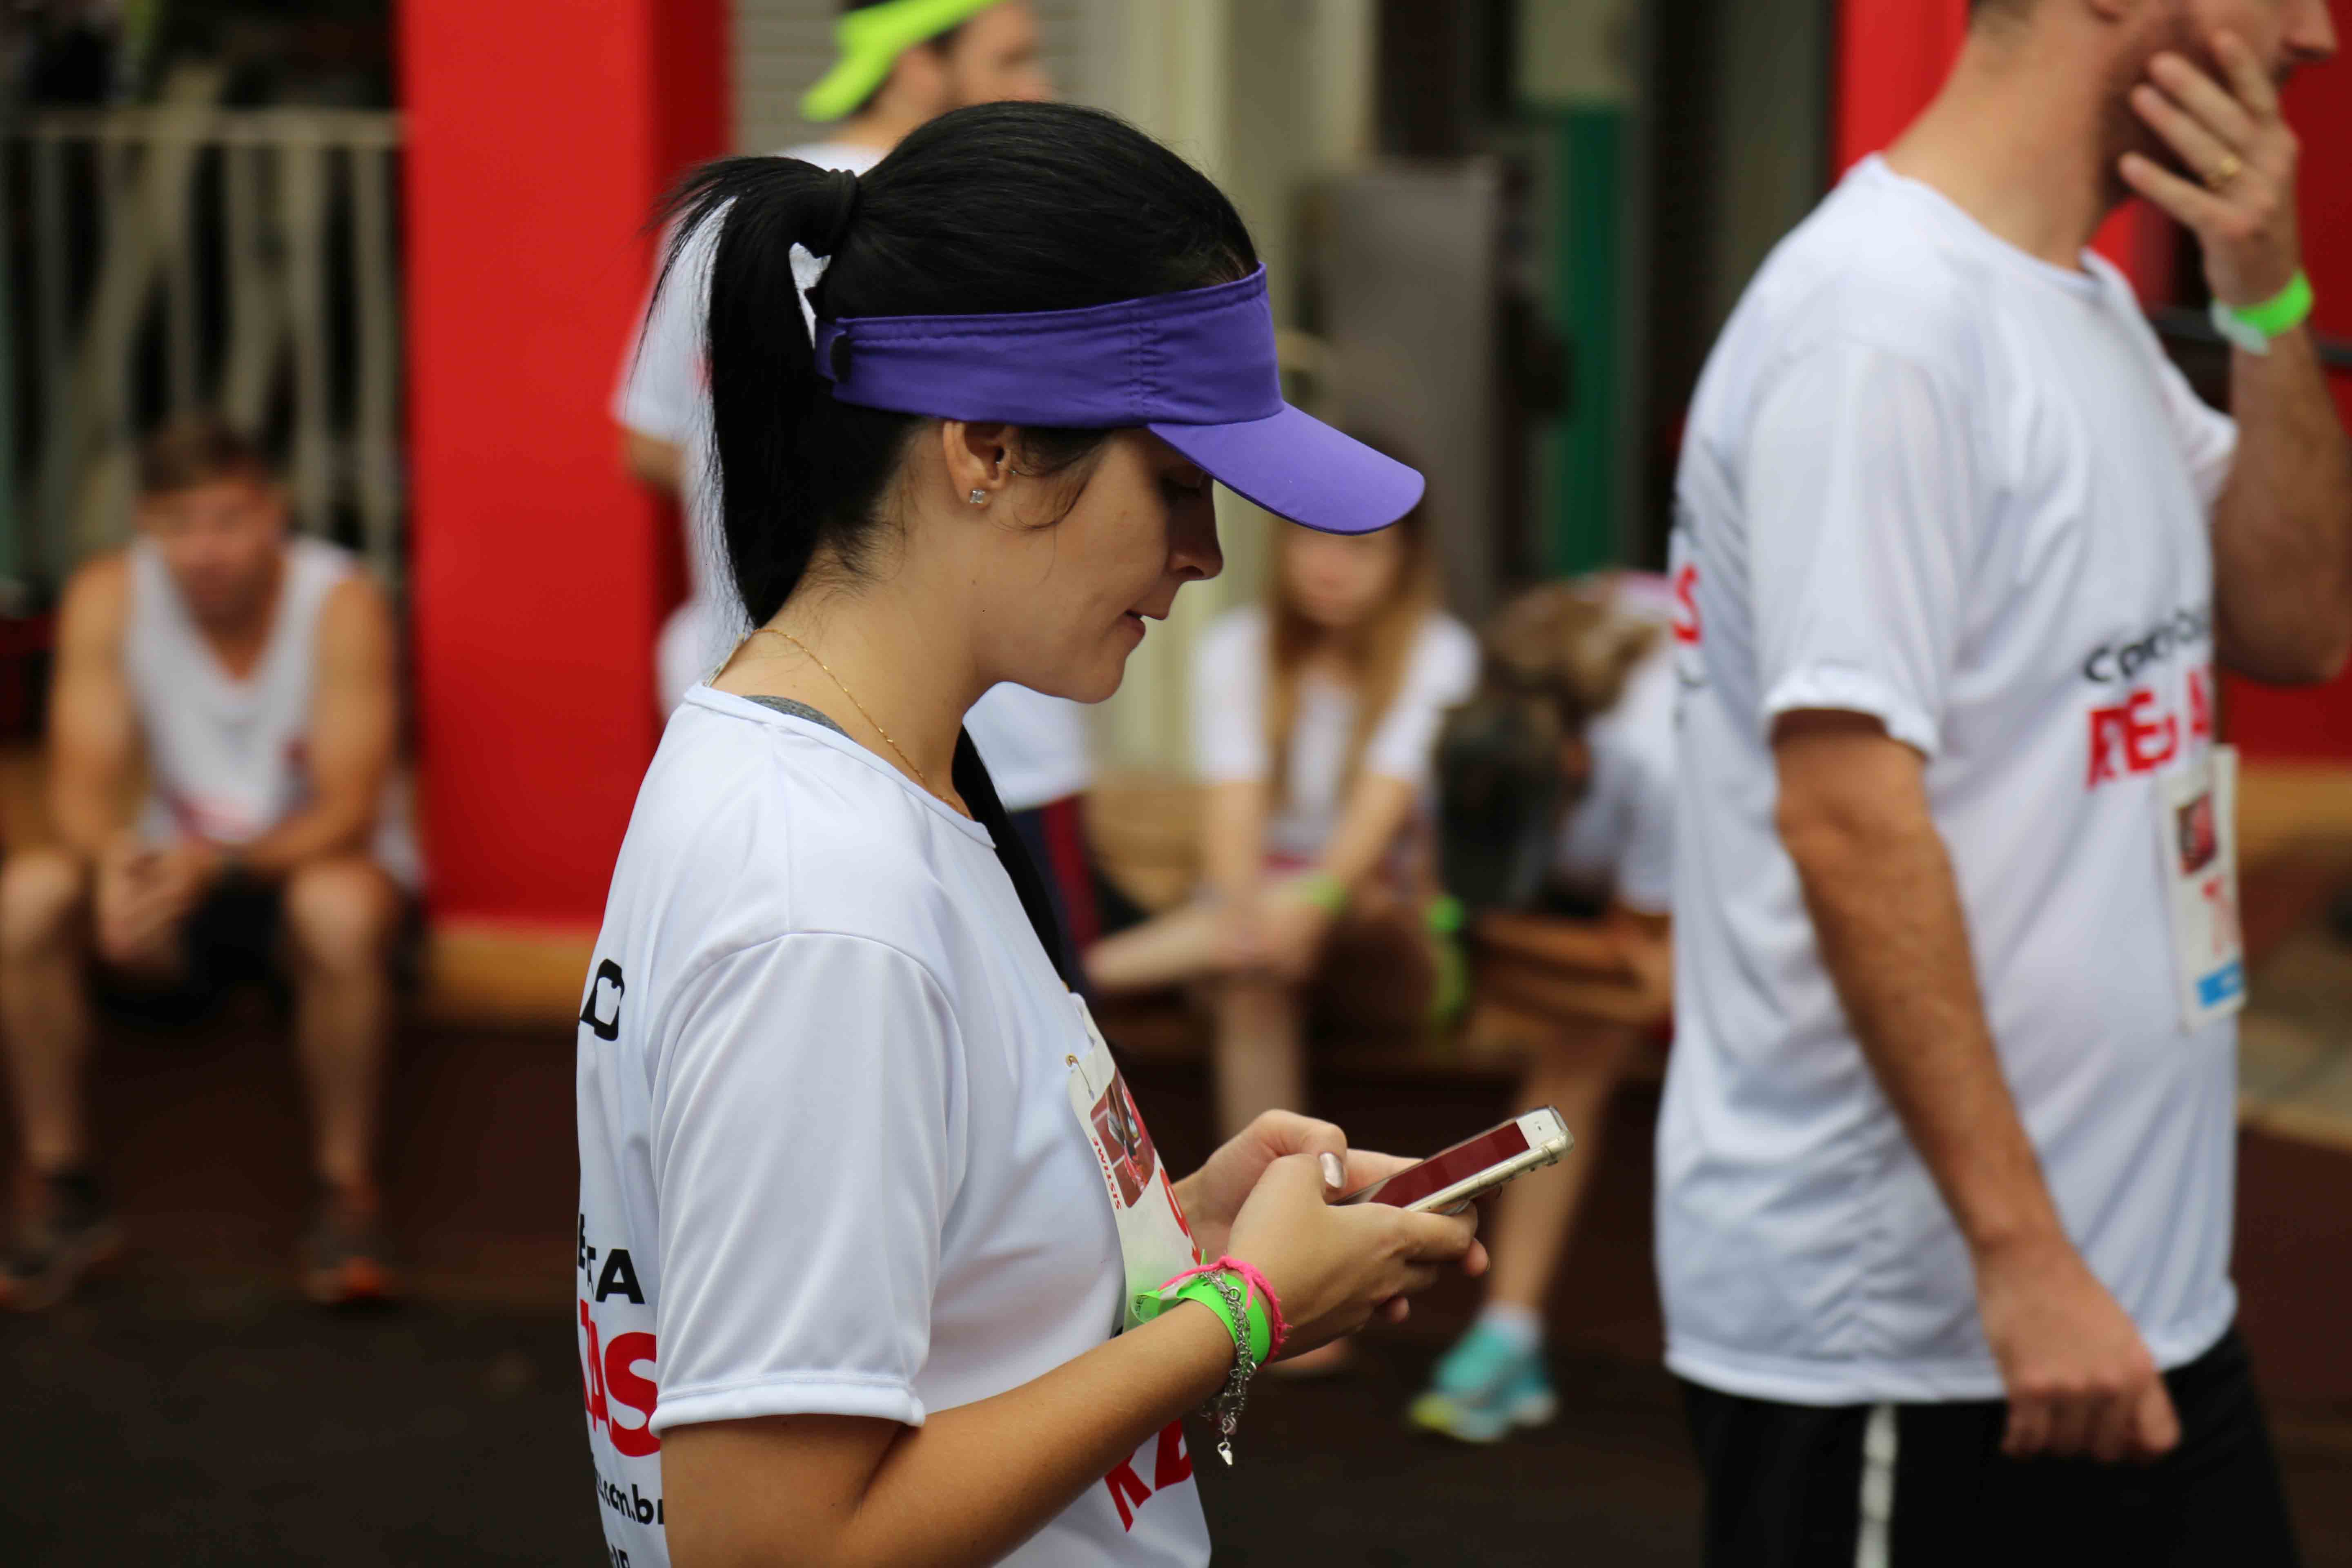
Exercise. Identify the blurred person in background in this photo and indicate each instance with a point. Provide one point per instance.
(1579, 694)
(1947, 1151)
(1314, 719)
(862, 1189)
(902, 63)
(249, 677)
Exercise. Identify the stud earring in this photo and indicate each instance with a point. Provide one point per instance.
(979, 498)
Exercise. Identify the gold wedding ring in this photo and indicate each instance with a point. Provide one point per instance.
(2231, 167)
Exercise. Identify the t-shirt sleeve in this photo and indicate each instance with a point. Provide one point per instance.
(661, 389)
(2208, 439)
(807, 1140)
(1229, 703)
(1860, 494)
(1441, 674)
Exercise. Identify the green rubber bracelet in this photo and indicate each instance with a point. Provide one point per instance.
(2284, 311)
(1322, 889)
(1260, 1327)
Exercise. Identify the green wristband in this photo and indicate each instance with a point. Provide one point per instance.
(2255, 328)
(1322, 889)
(1260, 1327)
(2282, 312)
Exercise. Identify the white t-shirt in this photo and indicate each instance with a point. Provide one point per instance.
(1619, 838)
(1932, 479)
(1229, 739)
(828, 1162)
(1035, 747)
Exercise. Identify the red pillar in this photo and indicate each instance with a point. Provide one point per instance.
(539, 134)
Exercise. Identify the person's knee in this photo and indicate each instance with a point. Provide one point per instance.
(43, 902)
(340, 916)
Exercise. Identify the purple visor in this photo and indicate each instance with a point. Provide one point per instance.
(1196, 369)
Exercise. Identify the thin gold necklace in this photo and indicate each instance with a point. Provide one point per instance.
(921, 778)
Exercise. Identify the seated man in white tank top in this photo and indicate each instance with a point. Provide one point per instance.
(252, 676)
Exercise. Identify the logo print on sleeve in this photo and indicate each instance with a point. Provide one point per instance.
(603, 1017)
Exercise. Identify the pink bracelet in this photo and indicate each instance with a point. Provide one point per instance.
(1253, 1284)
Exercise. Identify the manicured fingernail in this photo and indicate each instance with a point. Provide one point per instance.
(1335, 1176)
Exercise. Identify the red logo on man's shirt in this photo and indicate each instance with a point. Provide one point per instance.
(1686, 623)
(2139, 736)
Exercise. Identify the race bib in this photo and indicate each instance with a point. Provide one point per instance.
(1154, 1243)
(2197, 832)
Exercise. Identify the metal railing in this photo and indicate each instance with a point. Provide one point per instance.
(185, 255)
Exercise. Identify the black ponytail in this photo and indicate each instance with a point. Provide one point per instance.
(1000, 208)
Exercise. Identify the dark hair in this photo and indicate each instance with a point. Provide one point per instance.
(193, 450)
(995, 209)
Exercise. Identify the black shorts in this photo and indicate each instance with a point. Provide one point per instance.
(231, 939)
(1786, 1485)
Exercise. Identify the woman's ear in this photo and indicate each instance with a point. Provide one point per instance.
(979, 459)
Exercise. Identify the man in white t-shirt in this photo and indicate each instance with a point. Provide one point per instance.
(1946, 1161)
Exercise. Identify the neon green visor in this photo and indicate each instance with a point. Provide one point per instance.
(871, 40)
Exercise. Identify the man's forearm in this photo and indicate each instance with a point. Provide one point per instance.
(1887, 910)
(2282, 529)
(307, 835)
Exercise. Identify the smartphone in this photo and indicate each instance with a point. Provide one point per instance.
(1446, 1183)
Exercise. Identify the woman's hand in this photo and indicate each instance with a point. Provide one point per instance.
(1214, 1193)
(1333, 1267)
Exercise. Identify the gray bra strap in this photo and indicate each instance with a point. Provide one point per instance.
(785, 705)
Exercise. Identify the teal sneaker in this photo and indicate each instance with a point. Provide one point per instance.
(1483, 1388)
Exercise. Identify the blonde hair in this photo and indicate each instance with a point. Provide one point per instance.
(1376, 650)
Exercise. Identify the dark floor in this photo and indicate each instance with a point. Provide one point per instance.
(188, 1412)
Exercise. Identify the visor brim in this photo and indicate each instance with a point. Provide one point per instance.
(1296, 467)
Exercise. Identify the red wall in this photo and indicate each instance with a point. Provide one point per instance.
(1892, 55)
(539, 133)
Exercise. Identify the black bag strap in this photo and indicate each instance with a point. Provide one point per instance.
(979, 792)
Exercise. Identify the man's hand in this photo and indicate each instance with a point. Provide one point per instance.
(144, 891)
(2235, 140)
(2080, 1380)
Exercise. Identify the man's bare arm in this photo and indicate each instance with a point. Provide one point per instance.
(354, 727)
(2283, 531)
(93, 728)
(1885, 909)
